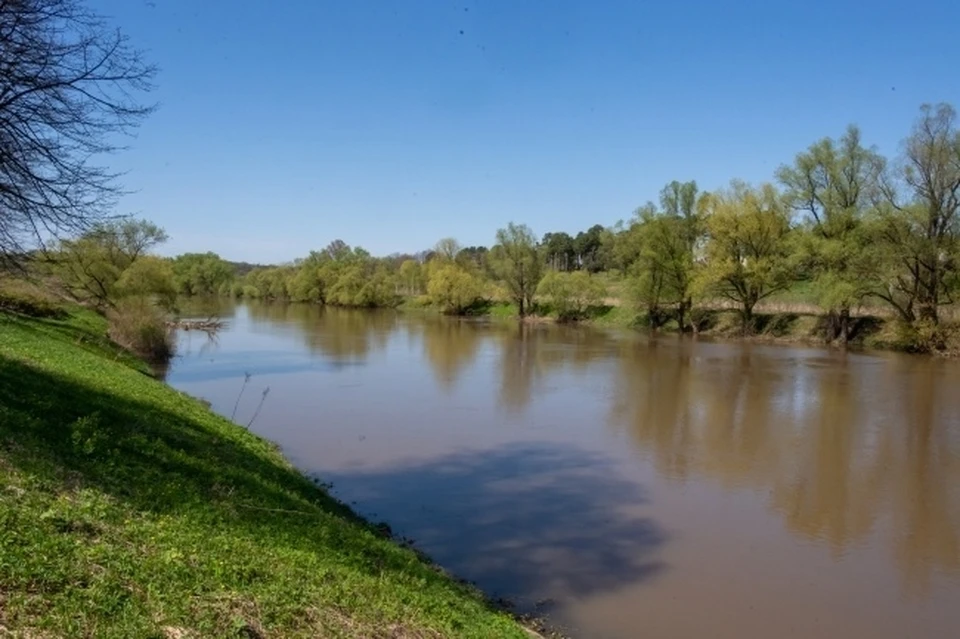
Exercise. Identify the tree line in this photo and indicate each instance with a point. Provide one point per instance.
(854, 227)
(850, 225)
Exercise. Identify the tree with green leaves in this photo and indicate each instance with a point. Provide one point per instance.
(917, 226)
(453, 288)
(90, 266)
(447, 249)
(660, 246)
(473, 258)
(748, 251)
(518, 262)
(587, 247)
(559, 251)
(411, 277)
(201, 273)
(150, 278)
(833, 185)
(661, 275)
(571, 294)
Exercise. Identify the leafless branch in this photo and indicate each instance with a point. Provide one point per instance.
(68, 95)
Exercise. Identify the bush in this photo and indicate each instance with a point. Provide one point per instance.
(29, 304)
(140, 327)
(922, 336)
(572, 294)
(454, 289)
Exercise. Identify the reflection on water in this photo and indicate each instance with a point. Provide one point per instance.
(615, 474)
(339, 335)
(838, 441)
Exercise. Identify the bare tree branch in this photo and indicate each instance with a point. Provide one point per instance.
(68, 95)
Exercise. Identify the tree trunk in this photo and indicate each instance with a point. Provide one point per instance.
(746, 318)
(928, 311)
(685, 306)
(844, 326)
(520, 304)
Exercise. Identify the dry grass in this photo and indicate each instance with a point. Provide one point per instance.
(141, 327)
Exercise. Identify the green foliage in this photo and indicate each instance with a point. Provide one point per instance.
(269, 283)
(862, 231)
(338, 276)
(139, 326)
(128, 509)
(148, 277)
(411, 277)
(518, 262)
(201, 273)
(447, 249)
(572, 294)
(916, 230)
(559, 251)
(92, 268)
(474, 259)
(833, 185)
(453, 289)
(589, 249)
(25, 298)
(748, 251)
(660, 247)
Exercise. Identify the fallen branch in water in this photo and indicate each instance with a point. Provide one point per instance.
(209, 325)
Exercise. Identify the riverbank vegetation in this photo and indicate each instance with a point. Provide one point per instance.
(840, 228)
(843, 233)
(128, 509)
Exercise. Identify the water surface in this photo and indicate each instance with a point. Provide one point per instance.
(621, 485)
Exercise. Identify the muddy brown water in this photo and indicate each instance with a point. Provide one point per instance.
(622, 486)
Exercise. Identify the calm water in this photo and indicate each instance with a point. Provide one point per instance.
(623, 486)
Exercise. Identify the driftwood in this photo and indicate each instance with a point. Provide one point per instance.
(209, 325)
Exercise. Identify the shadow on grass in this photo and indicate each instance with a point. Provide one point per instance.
(157, 458)
(479, 308)
(524, 522)
(775, 324)
(864, 327)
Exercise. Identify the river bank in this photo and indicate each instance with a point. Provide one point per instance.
(773, 324)
(130, 509)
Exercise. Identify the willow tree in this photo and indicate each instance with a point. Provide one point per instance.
(69, 91)
(748, 250)
(91, 268)
(518, 262)
(833, 185)
(918, 226)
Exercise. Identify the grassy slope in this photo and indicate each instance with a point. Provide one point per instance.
(129, 510)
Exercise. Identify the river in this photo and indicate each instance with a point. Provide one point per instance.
(620, 485)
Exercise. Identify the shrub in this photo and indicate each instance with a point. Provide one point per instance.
(922, 336)
(454, 289)
(140, 327)
(29, 304)
(571, 294)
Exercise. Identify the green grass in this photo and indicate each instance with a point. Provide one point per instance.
(128, 509)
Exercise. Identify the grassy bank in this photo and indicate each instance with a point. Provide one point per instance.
(128, 509)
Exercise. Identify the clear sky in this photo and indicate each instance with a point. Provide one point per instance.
(286, 124)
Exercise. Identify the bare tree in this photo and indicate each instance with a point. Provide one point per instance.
(69, 88)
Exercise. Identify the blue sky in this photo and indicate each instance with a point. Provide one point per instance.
(284, 125)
